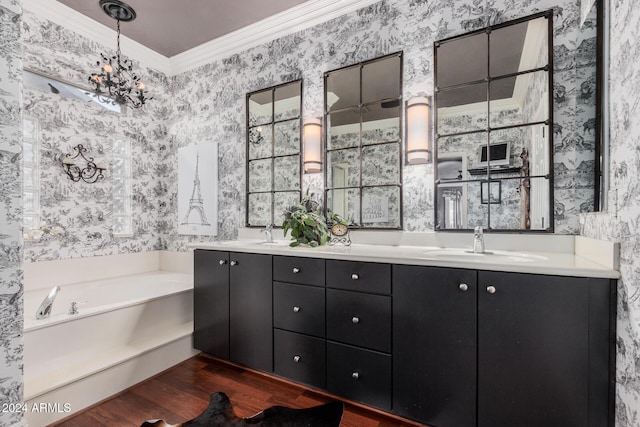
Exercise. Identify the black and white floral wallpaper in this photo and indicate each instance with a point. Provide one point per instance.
(11, 318)
(621, 223)
(208, 104)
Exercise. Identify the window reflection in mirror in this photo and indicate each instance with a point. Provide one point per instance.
(273, 152)
(493, 111)
(363, 119)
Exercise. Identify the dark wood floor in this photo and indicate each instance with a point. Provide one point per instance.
(182, 393)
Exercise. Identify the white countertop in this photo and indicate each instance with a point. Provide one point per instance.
(552, 263)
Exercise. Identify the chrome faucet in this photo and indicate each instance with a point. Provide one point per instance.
(268, 230)
(478, 240)
(47, 304)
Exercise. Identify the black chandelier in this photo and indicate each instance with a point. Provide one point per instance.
(116, 78)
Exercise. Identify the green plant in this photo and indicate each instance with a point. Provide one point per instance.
(306, 223)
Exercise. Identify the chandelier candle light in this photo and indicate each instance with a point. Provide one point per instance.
(116, 78)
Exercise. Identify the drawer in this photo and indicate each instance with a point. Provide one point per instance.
(358, 374)
(359, 276)
(300, 358)
(359, 319)
(299, 308)
(305, 271)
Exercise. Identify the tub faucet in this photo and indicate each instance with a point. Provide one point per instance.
(478, 240)
(45, 308)
(268, 230)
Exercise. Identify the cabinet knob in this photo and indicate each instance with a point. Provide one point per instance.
(354, 276)
(355, 375)
(233, 263)
(222, 262)
(491, 289)
(355, 320)
(296, 270)
(296, 358)
(463, 287)
(296, 309)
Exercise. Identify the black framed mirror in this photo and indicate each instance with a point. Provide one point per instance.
(363, 134)
(274, 132)
(494, 127)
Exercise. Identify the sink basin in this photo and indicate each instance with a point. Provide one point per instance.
(488, 256)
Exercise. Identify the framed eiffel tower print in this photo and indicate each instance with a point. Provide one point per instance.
(198, 190)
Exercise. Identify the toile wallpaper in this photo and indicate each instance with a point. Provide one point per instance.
(80, 213)
(208, 104)
(622, 221)
(11, 286)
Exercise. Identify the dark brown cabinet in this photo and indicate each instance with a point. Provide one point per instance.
(446, 347)
(211, 302)
(543, 350)
(434, 345)
(232, 307)
(251, 311)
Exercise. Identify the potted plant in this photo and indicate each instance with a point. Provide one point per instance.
(306, 223)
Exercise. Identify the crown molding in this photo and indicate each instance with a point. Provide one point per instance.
(298, 18)
(87, 27)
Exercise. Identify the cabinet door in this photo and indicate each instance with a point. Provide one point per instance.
(251, 310)
(534, 350)
(434, 345)
(211, 302)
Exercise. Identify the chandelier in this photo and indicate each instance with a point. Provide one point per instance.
(116, 78)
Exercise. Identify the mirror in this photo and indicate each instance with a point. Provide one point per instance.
(273, 152)
(363, 173)
(493, 97)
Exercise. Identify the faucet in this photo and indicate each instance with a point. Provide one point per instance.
(478, 240)
(268, 230)
(45, 308)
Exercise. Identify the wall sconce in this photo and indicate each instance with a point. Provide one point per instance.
(312, 137)
(418, 130)
(89, 172)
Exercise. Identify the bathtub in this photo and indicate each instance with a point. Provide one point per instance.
(127, 329)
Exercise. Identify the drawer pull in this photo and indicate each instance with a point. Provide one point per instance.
(296, 309)
(355, 376)
(354, 276)
(234, 263)
(355, 320)
(491, 289)
(296, 270)
(296, 358)
(222, 262)
(463, 287)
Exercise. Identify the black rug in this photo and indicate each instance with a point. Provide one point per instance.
(220, 413)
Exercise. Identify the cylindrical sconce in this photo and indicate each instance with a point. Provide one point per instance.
(312, 138)
(418, 130)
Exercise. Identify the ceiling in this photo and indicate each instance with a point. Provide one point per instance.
(171, 27)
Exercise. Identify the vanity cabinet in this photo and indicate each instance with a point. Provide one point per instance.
(495, 349)
(233, 308)
(299, 319)
(434, 345)
(543, 350)
(251, 311)
(211, 302)
(359, 331)
(442, 346)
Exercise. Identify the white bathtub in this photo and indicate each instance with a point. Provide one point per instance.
(127, 329)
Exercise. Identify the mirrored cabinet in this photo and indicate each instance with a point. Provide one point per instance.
(273, 152)
(363, 116)
(494, 139)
